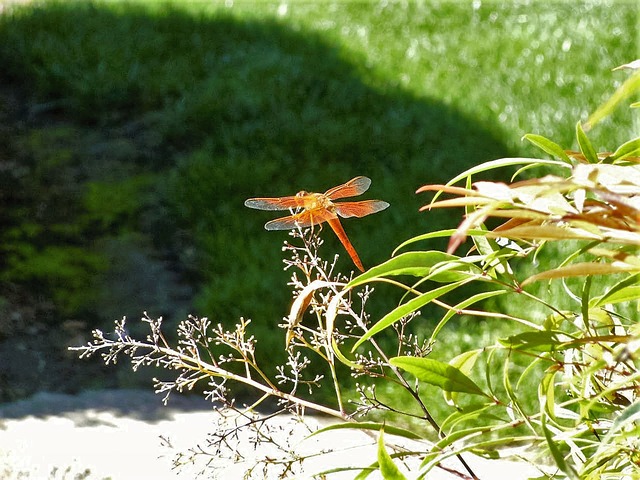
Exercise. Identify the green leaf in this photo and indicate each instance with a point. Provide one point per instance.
(462, 305)
(627, 149)
(548, 146)
(437, 373)
(342, 358)
(582, 269)
(391, 430)
(623, 291)
(584, 300)
(488, 454)
(365, 472)
(469, 414)
(407, 308)
(627, 294)
(585, 145)
(417, 264)
(515, 404)
(436, 234)
(624, 427)
(628, 88)
(463, 362)
(330, 316)
(532, 367)
(556, 454)
(630, 415)
(546, 394)
(545, 232)
(388, 469)
(545, 341)
(499, 163)
(466, 360)
(440, 452)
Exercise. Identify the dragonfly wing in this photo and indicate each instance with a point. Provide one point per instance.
(321, 215)
(355, 186)
(359, 209)
(280, 203)
(299, 220)
(304, 219)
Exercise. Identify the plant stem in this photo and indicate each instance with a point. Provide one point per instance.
(196, 364)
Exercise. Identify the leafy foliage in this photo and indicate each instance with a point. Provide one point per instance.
(585, 360)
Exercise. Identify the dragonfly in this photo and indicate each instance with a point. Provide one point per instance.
(316, 208)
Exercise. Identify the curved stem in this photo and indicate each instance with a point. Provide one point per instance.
(191, 363)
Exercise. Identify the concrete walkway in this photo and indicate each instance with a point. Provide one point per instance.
(117, 435)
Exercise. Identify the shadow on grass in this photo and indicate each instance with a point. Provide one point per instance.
(145, 128)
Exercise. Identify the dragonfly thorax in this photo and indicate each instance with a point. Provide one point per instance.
(314, 201)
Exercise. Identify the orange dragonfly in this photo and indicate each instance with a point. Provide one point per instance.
(316, 208)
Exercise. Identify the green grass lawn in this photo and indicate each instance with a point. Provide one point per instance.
(143, 126)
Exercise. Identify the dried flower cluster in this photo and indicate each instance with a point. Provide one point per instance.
(223, 359)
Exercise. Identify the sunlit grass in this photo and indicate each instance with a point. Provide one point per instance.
(229, 101)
